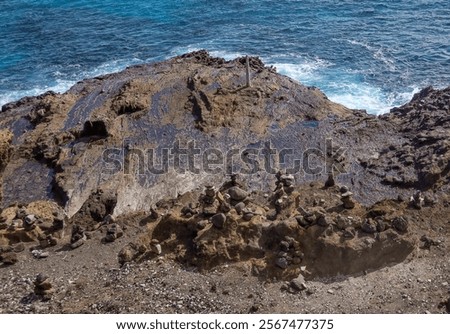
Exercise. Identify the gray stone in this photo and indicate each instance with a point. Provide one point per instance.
(347, 201)
(237, 194)
(343, 189)
(287, 180)
(369, 227)
(302, 221)
(248, 215)
(9, 258)
(324, 221)
(299, 283)
(349, 233)
(19, 248)
(38, 254)
(330, 182)
(21, 213)
(381, 226)
(400, 224)
(201, 225)
(156, 248)
(210, 191)
(29, 219)
(218, 220)
(281, 262)
(284, 246)
(341, 222)
(239, 207)
(77, 243)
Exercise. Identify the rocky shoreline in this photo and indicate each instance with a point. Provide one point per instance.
(321, 203)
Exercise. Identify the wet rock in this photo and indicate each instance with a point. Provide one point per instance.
(9, 258)
(281, 262)
(218, 220)
(237, 194)
(400, 224)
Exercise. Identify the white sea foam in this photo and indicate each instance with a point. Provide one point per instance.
(370, 98)
(344, 88)
(378, 53)
(63, 82)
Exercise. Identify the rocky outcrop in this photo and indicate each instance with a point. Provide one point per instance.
(312, 183)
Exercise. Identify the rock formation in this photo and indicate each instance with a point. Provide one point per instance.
(215, 172)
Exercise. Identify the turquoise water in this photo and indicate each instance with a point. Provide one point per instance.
(364, 54)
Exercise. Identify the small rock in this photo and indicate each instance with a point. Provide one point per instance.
(349, 233)
(299, 283)
(281, 262)
(324, 221)
(302, 221)
(343, 189)
(417, 200)
(39, 254)
(200, 225)
(330, 182)
(400, 224)
(248, 215)
(77, 243)
(210, 191)
(9, 258)
(237, 194)
(347, 200)
(284, 246)
(156, 248)
(19, 248)
(330, 291)
(381, 226)
(218, 220)
(29, 221)
(239, 207)
(369, 227)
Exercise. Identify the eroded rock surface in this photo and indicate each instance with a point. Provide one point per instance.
(317, 191)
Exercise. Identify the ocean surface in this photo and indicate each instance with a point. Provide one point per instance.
(365, 54)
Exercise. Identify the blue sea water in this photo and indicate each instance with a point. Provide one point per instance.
(368, 54)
